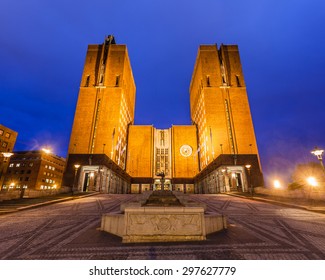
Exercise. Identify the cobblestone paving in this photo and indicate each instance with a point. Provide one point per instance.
(69, 230)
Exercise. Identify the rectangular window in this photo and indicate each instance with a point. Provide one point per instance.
(7, 135)
(4, 144)
(1, 132)
(27, 178)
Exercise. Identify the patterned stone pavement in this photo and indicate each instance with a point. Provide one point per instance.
(69, 230)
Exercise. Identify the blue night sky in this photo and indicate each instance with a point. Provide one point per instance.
(282, 46)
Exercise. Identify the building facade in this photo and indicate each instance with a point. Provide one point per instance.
(35, 170)
(109, 153)
(7, 142)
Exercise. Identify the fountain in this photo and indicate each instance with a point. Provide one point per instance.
(162, 216)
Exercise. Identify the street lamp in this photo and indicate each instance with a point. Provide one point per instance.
(319, 154)
(248, 167)
(76, 167)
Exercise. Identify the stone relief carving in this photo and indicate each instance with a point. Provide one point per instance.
(164, 224)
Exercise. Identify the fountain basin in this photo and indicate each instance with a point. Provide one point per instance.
(162, 224)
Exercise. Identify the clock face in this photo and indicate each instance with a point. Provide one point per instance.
(186, 150)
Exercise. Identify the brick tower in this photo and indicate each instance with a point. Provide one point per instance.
(104, 111)
(221, 112)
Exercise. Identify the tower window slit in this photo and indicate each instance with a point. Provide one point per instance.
(238, 81)
(87, 81)
(117, 81)
(208, 81)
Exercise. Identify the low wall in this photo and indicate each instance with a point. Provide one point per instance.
(28, 193)
(316, 194)
(9, 195)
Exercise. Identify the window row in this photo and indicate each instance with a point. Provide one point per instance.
(48, 181)
(21, 164)
(49, 174)
(50, 167)
(20, 171)
(47, 187)
(6, 134)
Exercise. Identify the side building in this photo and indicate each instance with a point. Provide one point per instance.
(34, 170)
(7, 142)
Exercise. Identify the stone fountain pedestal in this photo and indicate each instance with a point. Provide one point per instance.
(150, 223)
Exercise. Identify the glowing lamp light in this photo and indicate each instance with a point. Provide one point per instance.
(312, 181)
(46, 150)
(248, 166)
(76, 166)
(277, 184)
(7, 155)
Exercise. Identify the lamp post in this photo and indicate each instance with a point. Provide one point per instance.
(319, 154)
(76, 167)
(248, 167)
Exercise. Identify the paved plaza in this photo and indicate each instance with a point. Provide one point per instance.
(256, 230)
